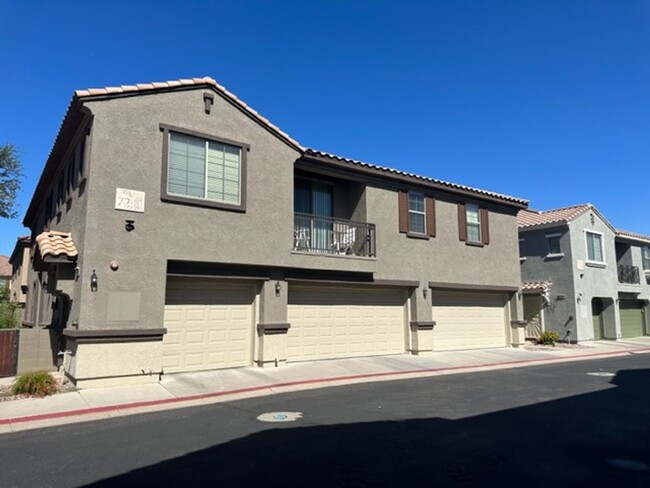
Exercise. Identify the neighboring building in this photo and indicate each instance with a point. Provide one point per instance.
(5, 271)
(175, 229)
(20, 263)
(600, 275)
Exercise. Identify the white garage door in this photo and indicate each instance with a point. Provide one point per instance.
(209, 325)
(338, 322)
(468, 321)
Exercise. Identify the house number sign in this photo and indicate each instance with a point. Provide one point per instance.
(129, 200)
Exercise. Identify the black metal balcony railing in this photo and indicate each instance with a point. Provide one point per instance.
(628, 274)
(328, 235)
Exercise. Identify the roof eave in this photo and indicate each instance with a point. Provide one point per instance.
(399, 176)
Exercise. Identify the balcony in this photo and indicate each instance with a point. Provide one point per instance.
(628, 275)
(327, 235)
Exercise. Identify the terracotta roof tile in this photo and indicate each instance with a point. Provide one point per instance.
(5, 266)
(632, 235)
(54, 244)
(536, 285)
(427, 179)
(529, 218)
(206, 80)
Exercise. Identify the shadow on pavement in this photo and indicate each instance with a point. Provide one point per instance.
(598, 440)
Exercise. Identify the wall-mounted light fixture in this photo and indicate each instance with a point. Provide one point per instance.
(93, 281)
(278, 288)
(129, 225)
(424, 291)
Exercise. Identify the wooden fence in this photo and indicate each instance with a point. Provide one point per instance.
(8, 352)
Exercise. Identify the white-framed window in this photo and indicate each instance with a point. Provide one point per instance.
(417, 213)
(473, 222)
(595, 253)
(645, 258)
(554, 245)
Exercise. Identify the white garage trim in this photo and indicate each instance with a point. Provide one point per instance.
(469, 320)
(344, 321)
(209, 324)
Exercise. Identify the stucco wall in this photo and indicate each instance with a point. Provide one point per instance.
(594, 281)
(538, 267)
(127, 152)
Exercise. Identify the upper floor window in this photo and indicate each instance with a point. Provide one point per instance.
(645, 255)
(473, 223)
(204, 171)
(595, 247)
(417, 214)
(554, 247)
(473, 227)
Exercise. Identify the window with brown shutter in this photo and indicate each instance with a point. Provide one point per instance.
(462, 222)
(417, 214)
(403, 212)
(485, 226)
(431, 216)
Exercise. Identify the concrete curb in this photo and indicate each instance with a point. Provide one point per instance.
(238, 393)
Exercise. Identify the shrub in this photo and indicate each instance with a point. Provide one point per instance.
(37, 383)
(549, 338)
(8, 318)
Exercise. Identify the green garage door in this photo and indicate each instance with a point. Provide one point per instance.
(632, 318)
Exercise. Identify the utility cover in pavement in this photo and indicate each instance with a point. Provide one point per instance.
(280, 416)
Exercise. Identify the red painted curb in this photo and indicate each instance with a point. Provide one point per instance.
(202, 396)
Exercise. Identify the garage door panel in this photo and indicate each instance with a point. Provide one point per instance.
(468, 321)
(344, 322)
(632, 318)
(209, 325)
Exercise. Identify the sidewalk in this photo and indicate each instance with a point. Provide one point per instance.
(191, 389)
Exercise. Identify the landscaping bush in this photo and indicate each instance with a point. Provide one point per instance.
(549, 338)
(8, 318)
(37, 383)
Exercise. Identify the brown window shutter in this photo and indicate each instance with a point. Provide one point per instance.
(485, 226)
(403, 211)
(431, 216)
(462, 222)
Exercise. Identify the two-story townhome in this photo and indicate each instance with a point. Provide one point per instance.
(175, 229)
(596, 275)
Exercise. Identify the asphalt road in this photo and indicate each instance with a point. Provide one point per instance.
(555, 425)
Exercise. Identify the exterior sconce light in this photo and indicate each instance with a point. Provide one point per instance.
(93, 281)
(424, 292)
(278, 288)
(129, 225)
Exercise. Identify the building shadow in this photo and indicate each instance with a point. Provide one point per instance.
(599, 439)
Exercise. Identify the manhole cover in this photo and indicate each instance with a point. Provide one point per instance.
(280, 417)
(601, 373)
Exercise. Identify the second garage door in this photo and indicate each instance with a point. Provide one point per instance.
(209, 325)
(338, 322)
(632, 318)
(468, 321)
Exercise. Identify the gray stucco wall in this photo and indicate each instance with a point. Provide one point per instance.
(127, 151)
(70, 217)
(536, 265)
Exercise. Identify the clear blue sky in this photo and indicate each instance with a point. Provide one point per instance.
(547, 100)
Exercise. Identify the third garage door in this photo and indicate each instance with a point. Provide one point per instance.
(338, 322)
(632, 318)
(468, 320)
